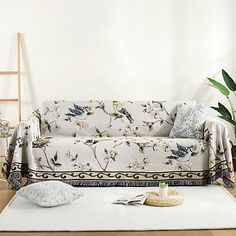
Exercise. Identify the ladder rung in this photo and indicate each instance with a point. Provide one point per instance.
(8, 72)
(9, 99)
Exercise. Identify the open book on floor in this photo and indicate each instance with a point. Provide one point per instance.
(139, 199)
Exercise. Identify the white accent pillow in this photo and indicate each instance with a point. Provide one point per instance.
(50, 193)
(189, 121)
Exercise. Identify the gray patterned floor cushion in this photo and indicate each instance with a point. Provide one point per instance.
(50, 193)
(115, 143)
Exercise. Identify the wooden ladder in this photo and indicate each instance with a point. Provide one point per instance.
(15, 72)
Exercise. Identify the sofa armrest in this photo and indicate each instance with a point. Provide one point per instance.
(28, 130)
(213, 126)
(20, 150)
(220, 156)
(34, 127)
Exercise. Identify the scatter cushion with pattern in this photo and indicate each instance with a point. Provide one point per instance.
(189, 121)
(50, 193)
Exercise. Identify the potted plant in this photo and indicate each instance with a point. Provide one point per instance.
(228, 90)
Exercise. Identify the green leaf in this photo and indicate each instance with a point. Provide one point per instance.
(222, 110)
(219, 87)
(228, 120)
(217, 109)
(229, 81)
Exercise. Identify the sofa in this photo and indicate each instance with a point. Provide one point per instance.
(115, 143)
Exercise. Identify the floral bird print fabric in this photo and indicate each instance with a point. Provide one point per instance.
(115, 143)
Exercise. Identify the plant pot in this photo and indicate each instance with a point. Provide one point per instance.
(234, 156)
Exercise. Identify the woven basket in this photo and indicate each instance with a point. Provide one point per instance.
(174, 198)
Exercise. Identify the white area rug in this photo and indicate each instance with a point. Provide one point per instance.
(209, 207)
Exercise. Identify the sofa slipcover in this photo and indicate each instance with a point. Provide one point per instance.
(115, 143)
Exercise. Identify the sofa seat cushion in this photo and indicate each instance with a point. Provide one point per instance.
(119, 154)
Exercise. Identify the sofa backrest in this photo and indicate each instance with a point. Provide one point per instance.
(108, 118)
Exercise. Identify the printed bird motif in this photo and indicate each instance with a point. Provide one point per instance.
(127, 114)
(161, 105)
(118, 107)
(182, 153)
(77, 111)
(158, 103)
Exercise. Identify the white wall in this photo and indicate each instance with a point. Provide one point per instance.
(117, 49)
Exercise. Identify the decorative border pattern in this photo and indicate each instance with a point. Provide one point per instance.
(118, 178)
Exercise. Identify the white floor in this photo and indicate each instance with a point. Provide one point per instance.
(209, 207)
